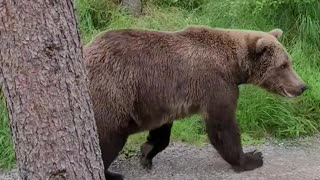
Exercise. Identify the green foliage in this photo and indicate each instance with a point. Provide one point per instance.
(188, 5)
(7, 155)
(260, 113)
(294, 16)
(189, 130)
(94, 14)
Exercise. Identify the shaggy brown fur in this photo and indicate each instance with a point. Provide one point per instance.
(144, 80)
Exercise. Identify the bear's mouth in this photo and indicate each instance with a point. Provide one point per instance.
(285, 93)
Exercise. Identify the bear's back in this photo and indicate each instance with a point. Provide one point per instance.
(139, 57)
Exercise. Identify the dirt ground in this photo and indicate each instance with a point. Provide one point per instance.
(298, 160)
(288, 161)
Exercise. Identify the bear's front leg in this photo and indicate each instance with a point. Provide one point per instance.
(224, 135)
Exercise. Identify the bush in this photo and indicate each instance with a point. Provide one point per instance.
(94, 14)
(188, 5)
(300, 18)
(7, 155)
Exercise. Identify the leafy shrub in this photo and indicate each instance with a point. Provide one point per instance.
(188, 5)
(94, 14)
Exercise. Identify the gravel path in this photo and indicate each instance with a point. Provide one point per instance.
(289, 161)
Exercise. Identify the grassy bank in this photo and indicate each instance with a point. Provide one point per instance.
(7, 157)
(259, 114)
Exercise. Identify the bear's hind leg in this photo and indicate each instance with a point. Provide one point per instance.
(110, 147)
(157, 140)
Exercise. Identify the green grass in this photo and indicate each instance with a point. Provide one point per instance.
(260, 114)
(7, 156)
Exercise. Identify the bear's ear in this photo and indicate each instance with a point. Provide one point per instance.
(276, 33)
(261, 46)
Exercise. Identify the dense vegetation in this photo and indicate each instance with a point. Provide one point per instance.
(260, 114)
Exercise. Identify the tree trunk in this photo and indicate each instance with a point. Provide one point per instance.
(45, 86)
(133, 6)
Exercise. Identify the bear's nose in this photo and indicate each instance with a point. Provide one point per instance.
(303, 88)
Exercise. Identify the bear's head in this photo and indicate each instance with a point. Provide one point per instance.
(271, 66)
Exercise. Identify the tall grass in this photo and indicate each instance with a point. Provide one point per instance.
(7, 156)
(259, 113)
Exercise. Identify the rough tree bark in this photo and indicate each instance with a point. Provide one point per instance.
(133, 6)
(45, 86)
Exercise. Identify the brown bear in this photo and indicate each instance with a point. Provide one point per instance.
(144, 80)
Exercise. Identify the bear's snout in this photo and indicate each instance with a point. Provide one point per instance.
(304, 88)
(294, 92)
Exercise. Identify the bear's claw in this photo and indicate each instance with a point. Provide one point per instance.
(113, 176)
(146, 163)
(251, 161)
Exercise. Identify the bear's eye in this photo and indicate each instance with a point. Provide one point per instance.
(283, 66)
